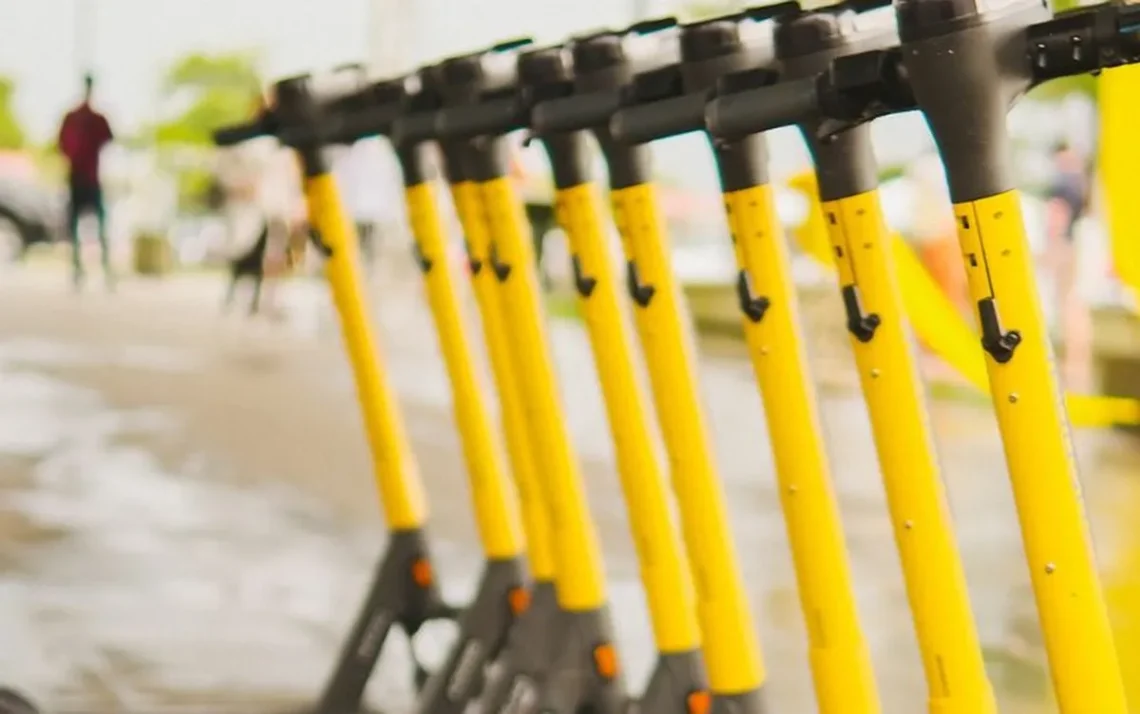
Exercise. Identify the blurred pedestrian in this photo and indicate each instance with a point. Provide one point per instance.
(1066, 202)
(83, 135)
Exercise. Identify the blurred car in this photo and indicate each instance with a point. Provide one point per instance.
(29, 215)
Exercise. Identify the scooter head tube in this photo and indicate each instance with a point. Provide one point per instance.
(602, 67)
(487, 104)
(807, 44)
(367, 112)
(966, 66)
(466, 79)
(546, 75)
(417, 123)
(464, 85)
(301, 124)
(1020, 53)
(670, 100)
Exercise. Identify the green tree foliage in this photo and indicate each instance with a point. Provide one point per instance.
(218, 90)
(210, 91)
(11, 132)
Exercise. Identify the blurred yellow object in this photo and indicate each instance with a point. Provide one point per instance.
(1122, 591)
(153, 255)
(1119, 90)
(811, 235)
(940, 327)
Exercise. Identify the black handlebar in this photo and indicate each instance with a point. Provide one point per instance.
(489, 118)
(414, 128)
(574, 113)
(240, 133)
(1085, 39)
(736, 115)
(659, 120)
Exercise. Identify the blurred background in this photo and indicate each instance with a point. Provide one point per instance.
(186, 517)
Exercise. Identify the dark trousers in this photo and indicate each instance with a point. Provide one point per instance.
(85, 198)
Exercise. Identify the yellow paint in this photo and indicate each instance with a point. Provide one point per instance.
(1119, 105)
(732, 650)
(664, 567)
(394, 467)
(840, 659)
(942, 328)
(912, 477)
(1043, 472)
(524, 468)
(578, 559)
(495, 505)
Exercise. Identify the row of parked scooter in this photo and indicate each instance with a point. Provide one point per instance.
(537, 636)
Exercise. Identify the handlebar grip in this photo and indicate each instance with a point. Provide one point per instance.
(732, 116)
(659, 120)
(414, 128)
(489, 118)
(239, 133)
(574, 113)
(352, 127)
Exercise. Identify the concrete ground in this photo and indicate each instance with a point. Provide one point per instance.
(187, 520)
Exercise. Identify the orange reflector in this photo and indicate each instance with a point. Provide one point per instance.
(699, 702)
(422, 573)
(605, 659)
(519, 599)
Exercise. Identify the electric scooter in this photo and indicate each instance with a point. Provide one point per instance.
(963, 67)
(805, 42)
(669, 102)
(678, 682)
(600, 70)
(297, 121)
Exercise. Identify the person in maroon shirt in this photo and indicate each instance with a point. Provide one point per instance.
(82, 136)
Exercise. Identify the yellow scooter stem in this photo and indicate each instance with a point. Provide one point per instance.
(496, 510)
(398, 481)
(664, 570)
(732, 652)
(524, 467)
(840, 659)
(510, 258)
(920, 517)
(1038, 449)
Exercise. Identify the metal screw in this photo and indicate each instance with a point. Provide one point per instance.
(1049, 567)
(764, 350)
(1013, 398)
(875, 373)
(793, 489)
(909, 525)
